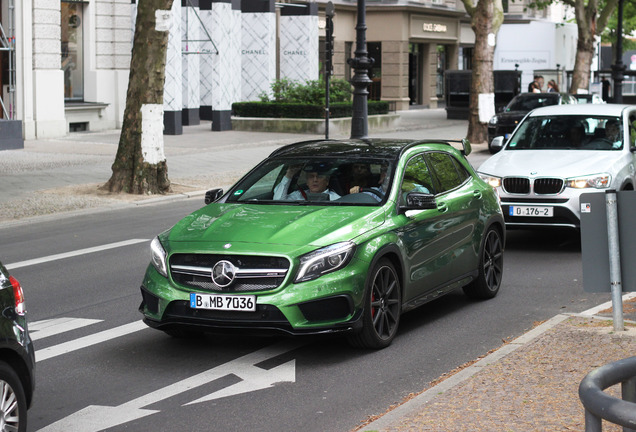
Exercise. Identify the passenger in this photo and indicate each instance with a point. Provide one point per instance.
(613, 131)
(359, 176)
(576, 135)
(381, 188)
(318, 175)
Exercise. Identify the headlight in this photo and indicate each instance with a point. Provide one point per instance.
(493, 181)
(158, 257)
(597, 181)
(324, 260)
(492, 121)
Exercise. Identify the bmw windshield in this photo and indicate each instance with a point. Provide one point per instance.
(322, 181)
(573, 132)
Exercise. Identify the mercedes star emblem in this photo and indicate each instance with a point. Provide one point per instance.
(223, 273)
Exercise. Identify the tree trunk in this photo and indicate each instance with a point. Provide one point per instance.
(140, 165)
(590, 22)
(486, 18)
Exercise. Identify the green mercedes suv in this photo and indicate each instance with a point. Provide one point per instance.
(330, 237)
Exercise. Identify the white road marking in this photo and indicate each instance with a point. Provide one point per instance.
(97, 417)
(45, 328)
(86, 341)
(74, 253)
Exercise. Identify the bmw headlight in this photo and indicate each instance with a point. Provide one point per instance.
(597, 181)
(158, 257)
(492, 121)
(493, 181)
(324, 260)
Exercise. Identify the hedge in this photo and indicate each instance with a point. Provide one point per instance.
(293, 110)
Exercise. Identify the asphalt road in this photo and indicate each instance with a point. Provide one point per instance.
(99, 368)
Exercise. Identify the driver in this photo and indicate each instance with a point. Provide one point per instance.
(317, 182)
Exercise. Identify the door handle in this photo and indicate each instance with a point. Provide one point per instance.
(477, 194)
(442, 207)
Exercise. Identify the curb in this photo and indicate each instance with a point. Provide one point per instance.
(414, 405)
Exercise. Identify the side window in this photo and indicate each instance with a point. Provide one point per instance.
(461, 171)
(632, 130)
(444, 170)
(417, 178)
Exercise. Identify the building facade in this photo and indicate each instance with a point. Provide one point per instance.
(66, 62)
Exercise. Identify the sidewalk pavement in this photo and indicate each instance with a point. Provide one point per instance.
(528, 384)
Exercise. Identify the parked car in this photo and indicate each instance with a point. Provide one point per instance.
(503, 123)
(399, 224)
(17, 356)
(556, 154)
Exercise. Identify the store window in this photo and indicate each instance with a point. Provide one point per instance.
(375, 52)
(73, 50)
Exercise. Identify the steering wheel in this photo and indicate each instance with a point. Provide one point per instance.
(373, 191)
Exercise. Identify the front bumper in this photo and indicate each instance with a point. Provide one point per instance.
(565, 208)
(329, 304)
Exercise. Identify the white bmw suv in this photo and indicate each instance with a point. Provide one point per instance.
(556, 154)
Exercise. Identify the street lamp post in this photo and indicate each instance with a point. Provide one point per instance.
(361, 64)
(618, 68)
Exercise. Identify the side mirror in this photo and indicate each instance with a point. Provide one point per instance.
(497, 143)
(420, 201)
(213, 195)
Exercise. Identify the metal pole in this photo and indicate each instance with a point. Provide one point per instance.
(329, 12)
(614, 259)
(618, 68)
(360, 81)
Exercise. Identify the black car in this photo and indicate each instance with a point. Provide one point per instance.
(503, 123)
(17, 356)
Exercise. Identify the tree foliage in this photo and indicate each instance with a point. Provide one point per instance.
(310, 92)
(609, 36)
(591, 17)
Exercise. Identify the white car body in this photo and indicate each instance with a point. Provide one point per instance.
(527, 174)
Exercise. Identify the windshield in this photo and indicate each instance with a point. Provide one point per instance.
(568, 132)
(321, 181)
(530, 102)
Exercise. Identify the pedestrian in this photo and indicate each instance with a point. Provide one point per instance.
(536, 83)
(553, 86)
(606, 89)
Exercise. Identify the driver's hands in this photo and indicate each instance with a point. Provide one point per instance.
(355, 189)
(292, 171)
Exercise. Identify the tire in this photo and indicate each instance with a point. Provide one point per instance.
(382, 308)
(13, 405)
(488, 281)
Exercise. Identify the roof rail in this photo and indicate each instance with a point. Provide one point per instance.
(288, 146)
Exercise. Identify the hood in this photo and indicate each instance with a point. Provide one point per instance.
(510, 117)
(276, 224)
(550, 163)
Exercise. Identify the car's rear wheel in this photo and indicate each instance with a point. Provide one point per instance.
(13, 405)
(382, 308)
(488, 280)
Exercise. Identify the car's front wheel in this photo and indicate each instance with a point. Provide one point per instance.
(13, 405)
(382, 308)
(488, 280)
